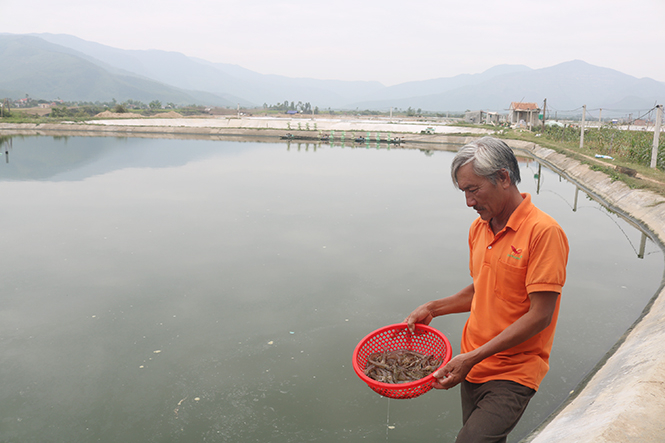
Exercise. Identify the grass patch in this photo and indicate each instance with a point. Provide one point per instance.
(630, 149)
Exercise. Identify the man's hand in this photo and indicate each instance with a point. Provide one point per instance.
(421, 315)
(454, 372)
(535, 320)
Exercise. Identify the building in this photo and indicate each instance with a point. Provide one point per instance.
(481, 117)
(523, 115)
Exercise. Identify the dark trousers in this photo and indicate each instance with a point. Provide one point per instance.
(491, 410)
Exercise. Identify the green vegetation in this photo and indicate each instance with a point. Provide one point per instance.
(76, 112)
(629, 149)
(33, 111)
(631, 146)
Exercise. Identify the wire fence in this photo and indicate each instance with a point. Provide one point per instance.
(631, 116)
(634, 146)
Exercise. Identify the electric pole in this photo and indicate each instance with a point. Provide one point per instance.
(582, 127)
(656, 136)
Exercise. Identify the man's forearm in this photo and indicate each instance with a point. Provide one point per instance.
(459, 302)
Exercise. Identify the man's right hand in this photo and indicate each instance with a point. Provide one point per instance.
(421, 315)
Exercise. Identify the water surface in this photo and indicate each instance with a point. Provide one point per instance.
(181, 290)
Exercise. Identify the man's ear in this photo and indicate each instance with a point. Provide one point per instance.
(504, 178)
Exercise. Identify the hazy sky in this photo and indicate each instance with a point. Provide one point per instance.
(386, 40)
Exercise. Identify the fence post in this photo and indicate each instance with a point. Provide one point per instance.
(582, 127)
(656, 136)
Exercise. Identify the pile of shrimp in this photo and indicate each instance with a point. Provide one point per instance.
(400, 366)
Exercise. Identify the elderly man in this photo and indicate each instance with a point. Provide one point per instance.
(518, 257)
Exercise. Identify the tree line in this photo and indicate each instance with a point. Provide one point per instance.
(304, 108)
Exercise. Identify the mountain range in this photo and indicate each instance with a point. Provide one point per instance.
(51, 66)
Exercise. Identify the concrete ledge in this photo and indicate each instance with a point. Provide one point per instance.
(624, 400)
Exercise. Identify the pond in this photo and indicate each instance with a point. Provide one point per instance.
(161, 290)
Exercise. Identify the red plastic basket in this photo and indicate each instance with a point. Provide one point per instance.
(425, 340)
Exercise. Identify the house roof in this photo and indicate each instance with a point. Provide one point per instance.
(519, 106)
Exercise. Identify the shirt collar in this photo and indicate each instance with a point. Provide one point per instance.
(519, 214)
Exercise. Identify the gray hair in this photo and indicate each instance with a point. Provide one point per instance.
(489, 156)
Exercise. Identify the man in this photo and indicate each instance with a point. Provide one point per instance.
(518, 257)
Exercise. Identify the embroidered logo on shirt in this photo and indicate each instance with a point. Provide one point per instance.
(516, 253)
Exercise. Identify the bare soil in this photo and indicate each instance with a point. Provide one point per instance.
(109, 114)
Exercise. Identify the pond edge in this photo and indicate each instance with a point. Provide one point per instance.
(623, 397)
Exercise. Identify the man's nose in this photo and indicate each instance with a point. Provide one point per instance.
(470, 200)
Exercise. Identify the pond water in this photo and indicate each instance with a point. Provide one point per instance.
(161, 290)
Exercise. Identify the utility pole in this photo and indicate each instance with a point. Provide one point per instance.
(544, 109)
(600, 119)
(582, 127)
(656, 136)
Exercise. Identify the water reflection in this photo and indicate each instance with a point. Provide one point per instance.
(644, 236)
(175, 290)
(329, 141)
(6, 146)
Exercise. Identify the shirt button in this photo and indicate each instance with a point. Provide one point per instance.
(489, 247)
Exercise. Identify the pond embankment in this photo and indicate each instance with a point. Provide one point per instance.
(623, 399)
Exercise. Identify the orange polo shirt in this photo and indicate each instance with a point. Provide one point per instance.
(528, 255)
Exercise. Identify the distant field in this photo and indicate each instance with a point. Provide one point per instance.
(34, 111)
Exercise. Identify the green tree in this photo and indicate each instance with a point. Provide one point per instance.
(155, 104)
(58, 111)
